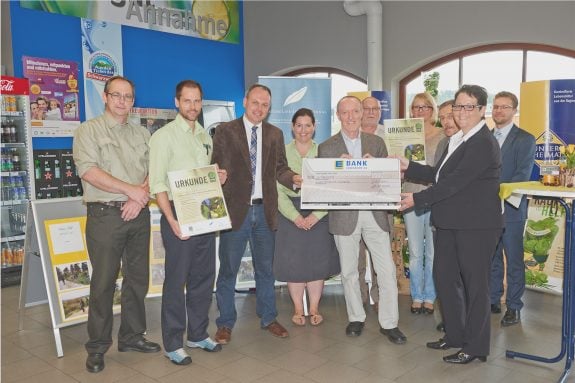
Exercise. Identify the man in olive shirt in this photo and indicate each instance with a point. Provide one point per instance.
(111, 156)
(183, 144)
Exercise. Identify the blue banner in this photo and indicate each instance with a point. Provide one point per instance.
(292, 93)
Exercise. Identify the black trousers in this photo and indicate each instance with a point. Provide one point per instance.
(189, 264)
(111, 241)
(461, 272)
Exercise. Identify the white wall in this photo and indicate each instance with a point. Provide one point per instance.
(280, 35)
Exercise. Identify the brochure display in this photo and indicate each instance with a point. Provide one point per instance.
(199, 200)
(406, 138)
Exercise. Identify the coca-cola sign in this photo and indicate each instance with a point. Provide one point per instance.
(13, 85)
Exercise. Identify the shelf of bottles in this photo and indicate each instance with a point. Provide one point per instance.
(15, 178)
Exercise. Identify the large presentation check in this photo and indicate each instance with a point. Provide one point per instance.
(351, 184)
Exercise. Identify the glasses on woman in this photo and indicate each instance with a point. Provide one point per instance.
(419, 108)
(467, 108)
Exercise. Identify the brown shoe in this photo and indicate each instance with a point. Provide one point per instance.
(277, 329)
(223, 335)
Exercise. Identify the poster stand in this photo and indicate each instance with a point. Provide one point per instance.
(31, 291)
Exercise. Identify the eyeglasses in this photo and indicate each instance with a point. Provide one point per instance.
(467, 108)
(373, 110)
(421, 107)
(117, 96)
(502, 107)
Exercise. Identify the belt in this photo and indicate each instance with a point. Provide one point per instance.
(118, 204)
(257, 201)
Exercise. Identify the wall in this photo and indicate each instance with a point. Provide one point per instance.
(280, 35)
(155, 61)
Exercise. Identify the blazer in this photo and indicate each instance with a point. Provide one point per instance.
(231, 152)
(517, 159)
(466, 194)
(343, 222)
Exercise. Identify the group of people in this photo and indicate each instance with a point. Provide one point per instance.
(45, 109)
(122, 166)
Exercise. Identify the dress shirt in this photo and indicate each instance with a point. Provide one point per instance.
(120, 150)
(456, 140)
(285, 205)
(353, 145)
(504, 131)
(258, 193)
(176, 147)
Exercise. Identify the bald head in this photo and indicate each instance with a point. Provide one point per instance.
(371, 114)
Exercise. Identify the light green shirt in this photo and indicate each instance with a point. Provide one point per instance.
(120, 150)
(176, 147)
(285, 205)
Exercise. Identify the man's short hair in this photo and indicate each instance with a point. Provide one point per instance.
(114, 78)
(188, 84)
(509, 95)
(254, 86)
(344, 98)
(475, 91)
(445, 103)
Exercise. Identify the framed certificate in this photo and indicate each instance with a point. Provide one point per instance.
(199, 200)
(351, 184)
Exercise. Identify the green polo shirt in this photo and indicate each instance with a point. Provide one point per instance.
(176, 147)
(120, 150)
(285, 205)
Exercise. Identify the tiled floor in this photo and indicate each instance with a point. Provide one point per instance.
(310, 354)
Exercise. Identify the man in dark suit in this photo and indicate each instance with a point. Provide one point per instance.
(517, 158)
(253, 153)
(466, 212)
(349, 226)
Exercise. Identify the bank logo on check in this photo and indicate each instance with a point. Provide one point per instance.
(339, 164)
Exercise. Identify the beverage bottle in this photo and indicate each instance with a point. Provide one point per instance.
(4, 254)
(16, 160)
(5, 131)
(22, 193)
(46, 166)
(13, 132)
(4, 98)
(9, 163)
(37, 169)
(57, 168)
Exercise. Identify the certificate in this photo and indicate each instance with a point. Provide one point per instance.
(406, 137)
(351, 184)
(199, 200)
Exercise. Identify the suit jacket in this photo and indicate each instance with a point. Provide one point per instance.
(466, 194)
(343, 222)
(231, 152)
(517, 158)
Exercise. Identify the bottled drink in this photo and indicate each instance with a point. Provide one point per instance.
(57, 168)
(13, 136)
(46, 166)
(5, 131)
(15, 160)
(37, 169)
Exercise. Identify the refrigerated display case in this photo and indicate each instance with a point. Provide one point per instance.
(15, 181)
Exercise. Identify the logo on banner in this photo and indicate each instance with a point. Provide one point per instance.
(547, 148)
(102, 66)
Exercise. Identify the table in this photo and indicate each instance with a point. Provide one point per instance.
(559, 194)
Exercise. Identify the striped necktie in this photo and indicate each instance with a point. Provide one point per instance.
(254, 155)
(499, 137)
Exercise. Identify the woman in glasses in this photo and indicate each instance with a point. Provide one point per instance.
(466, 214)
(417, 221)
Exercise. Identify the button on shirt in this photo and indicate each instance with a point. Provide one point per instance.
(120, 150)
(258, 193)
(176, 147)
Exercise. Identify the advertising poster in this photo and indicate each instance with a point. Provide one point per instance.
(212, 20)
(406, 137)
(544, 246)
(199, 200)
(548, 112)
(152, 118)
(293, 93)
(384, 102)
(55, 174)
(102, 59)
(53, 88)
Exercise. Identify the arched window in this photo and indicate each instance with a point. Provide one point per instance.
(342, 82)
(496, 67)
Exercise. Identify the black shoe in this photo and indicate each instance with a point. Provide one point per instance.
(95, 362)
(495, 308)
(354, 328)
(441, 344)
(440, 327)
(511, 317)
(394, 335)
(416, 310)
(462, 358)
(141, 345)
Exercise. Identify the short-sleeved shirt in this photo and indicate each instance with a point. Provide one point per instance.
(176, 147)
(120, 150)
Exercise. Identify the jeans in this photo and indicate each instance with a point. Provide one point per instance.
(420, 239)
(254, 230)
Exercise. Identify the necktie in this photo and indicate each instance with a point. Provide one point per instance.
(254, 155)
(499, 137)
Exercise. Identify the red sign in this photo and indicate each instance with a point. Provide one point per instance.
(13, 85)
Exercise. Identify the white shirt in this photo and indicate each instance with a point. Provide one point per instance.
(504, 133)
(456, 140)
(258, 193)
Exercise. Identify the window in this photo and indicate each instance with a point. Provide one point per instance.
(341, 83)
(496, 67)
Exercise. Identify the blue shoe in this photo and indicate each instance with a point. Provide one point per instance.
(179, 357)
(207, 345)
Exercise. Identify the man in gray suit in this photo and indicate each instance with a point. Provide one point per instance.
(349, 226)
(517, 158)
